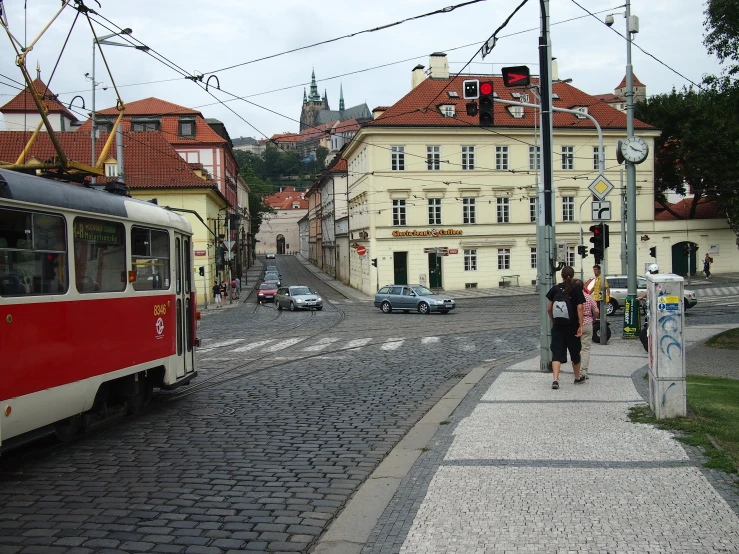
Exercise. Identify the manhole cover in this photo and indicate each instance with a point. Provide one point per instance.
(210, 411)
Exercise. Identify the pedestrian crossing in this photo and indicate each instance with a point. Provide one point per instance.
(390, 344)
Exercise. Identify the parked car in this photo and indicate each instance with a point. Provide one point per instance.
(298, 297)
(272, 278)
(619, 291)
(267, 292)
(412, 297)
(270, 255)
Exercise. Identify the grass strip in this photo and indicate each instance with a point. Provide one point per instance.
(728, 339)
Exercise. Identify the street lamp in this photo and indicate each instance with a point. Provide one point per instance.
(104, 40)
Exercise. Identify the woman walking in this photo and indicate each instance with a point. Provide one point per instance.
(590, 313)
(566, 314)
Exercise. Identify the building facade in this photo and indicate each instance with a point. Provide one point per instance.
(279, 232)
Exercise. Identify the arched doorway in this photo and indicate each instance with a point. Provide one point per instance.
(280, 244)
(681, 259)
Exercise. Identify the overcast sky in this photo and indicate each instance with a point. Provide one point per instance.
(206, 36)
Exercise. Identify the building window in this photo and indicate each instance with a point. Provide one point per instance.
(501, 158)
(187, 128)
(397, 158)
(468, 210)
(535, 157)
(398, 212)
(503, 210)
(596, 163)
(144, 126)
(470, 260)
(504, 258)
(532, 209)
(571, 256)
(568, 157)
(533, 258)
(433, 163)
(434, 211)
(111, 170)
(447, 110)
(468, 157)
(568, 208)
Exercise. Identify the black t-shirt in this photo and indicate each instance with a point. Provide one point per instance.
(216, 289)
(576, 298)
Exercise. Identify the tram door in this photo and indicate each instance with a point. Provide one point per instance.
(184, 308)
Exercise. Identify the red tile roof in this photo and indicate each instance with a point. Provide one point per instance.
(609, 98)
(339, 167)
(348, 125)
(279, 199)
(151, 106)
(411, 110)
(380, 109)
(284, 137)
(169, 127)
(637, 82)
(288, 204)
(706, 209)
(23, 102)
(150, 161)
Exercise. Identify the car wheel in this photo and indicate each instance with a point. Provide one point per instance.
(424, 308)
(445, 311)
(292, 306)
(319, 308)
(279, 306)
(611, 307)
(685, 303)
(386, 307)
(596, 332)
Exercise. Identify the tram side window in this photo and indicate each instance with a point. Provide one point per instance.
(33, 253)
(150, 258)
(99, 255)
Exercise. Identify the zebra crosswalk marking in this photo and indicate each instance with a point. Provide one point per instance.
(320, 345)
(219, 344)
(356, 343)
(253, 345)
(393, 344)
(282, 345)
(465, 345)
(429, 340)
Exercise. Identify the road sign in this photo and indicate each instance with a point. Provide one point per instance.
(600, 187)
(229, 244)
(517, 76)
(429, 250)
(602, 211)
(361, 250)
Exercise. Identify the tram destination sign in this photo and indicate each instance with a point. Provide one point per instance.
(98, 231)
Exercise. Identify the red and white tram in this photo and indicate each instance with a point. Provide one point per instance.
(97, 305)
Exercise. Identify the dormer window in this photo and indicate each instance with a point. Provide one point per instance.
(186, 127)
(296, 205)
(582, 109)
(447, 110)
(111, 168)
(516, 111)
(144, 126)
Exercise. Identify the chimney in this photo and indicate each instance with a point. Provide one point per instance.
(555, 70)
(379, 110)
(417, 75)
(438, 66)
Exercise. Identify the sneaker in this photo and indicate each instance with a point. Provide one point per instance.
(555, 384)
(581, 379)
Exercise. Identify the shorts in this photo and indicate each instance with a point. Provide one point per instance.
(564, 339)
(217, 298)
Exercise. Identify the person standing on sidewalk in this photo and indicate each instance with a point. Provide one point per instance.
(590, 313)
(217, 294)
(238, 287)
(567, 323)
(707, 265)
(600, 284)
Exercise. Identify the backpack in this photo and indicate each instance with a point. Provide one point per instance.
(561, 308)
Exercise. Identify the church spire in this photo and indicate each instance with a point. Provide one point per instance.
(341, 98)
(325, 100)
(313, 96)
(305, 98)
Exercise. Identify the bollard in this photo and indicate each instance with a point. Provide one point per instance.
(667, 389)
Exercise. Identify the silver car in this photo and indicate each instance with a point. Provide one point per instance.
(412, 297)
(298, 298)
(619, 292)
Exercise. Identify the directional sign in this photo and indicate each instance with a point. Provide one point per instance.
(517, 76)
(600, 187)
(602, 211)
(429, 250)
(361, 250)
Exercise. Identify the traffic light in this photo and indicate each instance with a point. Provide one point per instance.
(653, 251)
(583, 251)
(201, 270)
(597, 241)
(486, 104)
(374, 262)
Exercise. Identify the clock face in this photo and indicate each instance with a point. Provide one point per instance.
(635, 150)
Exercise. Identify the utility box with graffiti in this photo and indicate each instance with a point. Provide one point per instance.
(666, 346)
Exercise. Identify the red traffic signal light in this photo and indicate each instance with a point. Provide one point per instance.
(486, 104)
(486, 88)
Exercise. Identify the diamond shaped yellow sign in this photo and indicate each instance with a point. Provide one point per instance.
(600, 187)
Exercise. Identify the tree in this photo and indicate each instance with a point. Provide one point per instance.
(258, 191)
(722, 27)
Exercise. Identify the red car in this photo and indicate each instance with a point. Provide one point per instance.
(267, 292)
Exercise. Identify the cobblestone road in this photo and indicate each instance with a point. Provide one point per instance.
(265, 460)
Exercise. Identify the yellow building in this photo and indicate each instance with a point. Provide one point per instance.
(424, 176)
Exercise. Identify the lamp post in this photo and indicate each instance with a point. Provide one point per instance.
(104, 40)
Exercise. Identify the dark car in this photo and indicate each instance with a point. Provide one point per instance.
(412, 297)
(267, 292)
(298, 297)
(272, 278)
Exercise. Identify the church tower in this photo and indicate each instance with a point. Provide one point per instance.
(311, 105)
(341, 98)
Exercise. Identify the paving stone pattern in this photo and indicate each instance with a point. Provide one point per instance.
(260, 464)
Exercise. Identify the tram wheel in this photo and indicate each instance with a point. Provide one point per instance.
(66, 429)
(141, 399)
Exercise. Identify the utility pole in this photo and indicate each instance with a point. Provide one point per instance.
(545, 232)
(623, 226)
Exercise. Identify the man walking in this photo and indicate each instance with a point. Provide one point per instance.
(217, 294)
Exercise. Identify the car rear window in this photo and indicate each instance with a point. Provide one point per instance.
(267, 286)
(384, 290)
